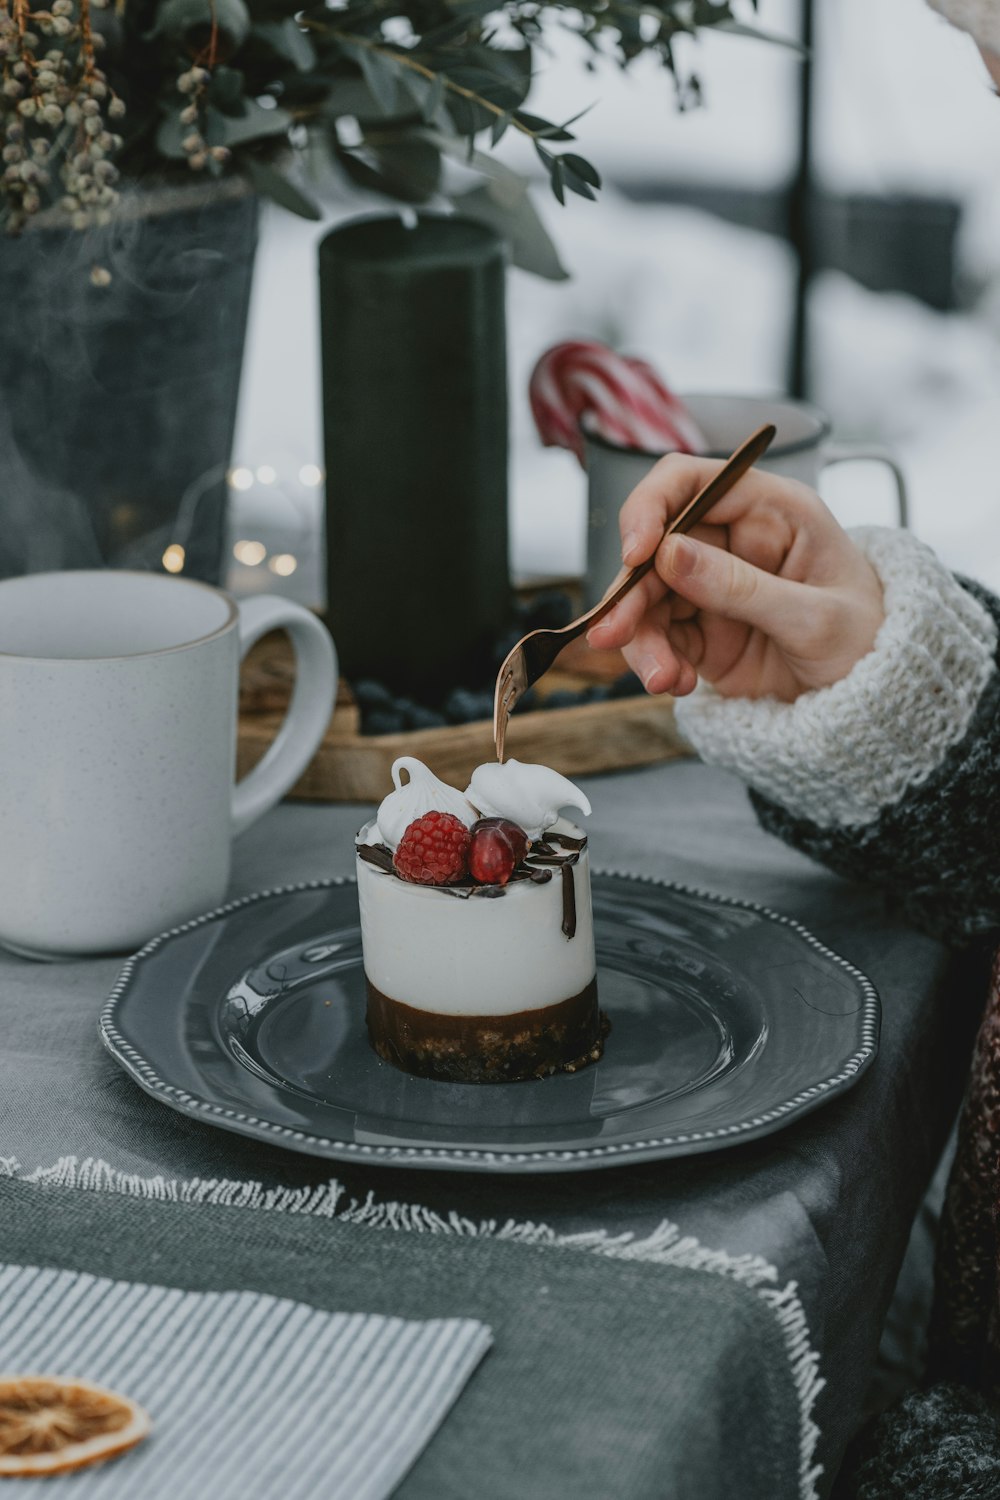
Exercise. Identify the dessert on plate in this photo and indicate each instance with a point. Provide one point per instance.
(476, 926)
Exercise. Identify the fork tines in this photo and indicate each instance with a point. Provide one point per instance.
(511, 682)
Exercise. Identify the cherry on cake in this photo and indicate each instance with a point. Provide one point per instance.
(477, 928)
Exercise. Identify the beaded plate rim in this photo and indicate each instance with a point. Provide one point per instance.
(462, 1158)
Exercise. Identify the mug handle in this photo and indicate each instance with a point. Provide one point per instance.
(309, 712)
(845, 453)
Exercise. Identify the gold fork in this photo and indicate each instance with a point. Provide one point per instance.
(535, 652)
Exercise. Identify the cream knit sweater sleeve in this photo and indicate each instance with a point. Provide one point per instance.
(839, 755)
(892, 774)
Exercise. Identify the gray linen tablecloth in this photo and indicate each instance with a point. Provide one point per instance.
(824, 1206)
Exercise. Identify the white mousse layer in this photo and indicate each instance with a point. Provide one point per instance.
(480, 955)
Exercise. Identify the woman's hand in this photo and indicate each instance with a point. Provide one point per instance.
(768, 596)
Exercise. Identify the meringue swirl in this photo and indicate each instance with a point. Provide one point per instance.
(423, 792)
(529, 795)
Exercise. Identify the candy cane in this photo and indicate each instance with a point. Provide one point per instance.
(583, 385)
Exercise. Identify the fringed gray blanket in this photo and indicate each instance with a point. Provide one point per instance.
(625, 1380)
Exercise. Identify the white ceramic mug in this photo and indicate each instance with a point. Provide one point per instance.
(801, 450)
(118, 704)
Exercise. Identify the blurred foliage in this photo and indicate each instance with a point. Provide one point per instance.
(390, 90)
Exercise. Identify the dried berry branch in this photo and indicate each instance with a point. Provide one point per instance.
(54, 113)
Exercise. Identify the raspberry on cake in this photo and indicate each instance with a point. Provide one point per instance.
(434, 850)
(476, 926)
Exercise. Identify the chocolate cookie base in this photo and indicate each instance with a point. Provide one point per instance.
(559, 1038)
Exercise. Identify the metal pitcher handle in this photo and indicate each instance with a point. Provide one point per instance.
(842, 453)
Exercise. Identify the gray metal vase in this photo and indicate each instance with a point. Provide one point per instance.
(118, 401)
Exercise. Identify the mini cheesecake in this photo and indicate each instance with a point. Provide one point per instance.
(478, 983)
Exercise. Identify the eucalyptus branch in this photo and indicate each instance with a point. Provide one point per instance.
(404, 60)
(212, 86)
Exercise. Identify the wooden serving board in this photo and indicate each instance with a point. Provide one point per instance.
(351, 767)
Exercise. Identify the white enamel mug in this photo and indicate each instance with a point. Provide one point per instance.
(801, 450)
(118, 703)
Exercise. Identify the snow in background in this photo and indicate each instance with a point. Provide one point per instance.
(903, 104)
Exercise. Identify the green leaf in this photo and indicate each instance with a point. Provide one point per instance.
(274, 185)
(501, 74)
(543, 128)
(381, 75)
(360, 171)
(578, 116)
(575, 183)
(178, 18)
(214, 126)
(582, 168)
(380, 78)
(499, 129)
(169, 134)
(507, 207)
(468, 117)
(287, 40)
(310, 93)
(429, 94)
(516, 62)
(556, 178)
(226, 90)
(410, 168)
(493, 88)
(255, 124)
(506, 185)
(457, 148)
(351, 96)
(395, 172)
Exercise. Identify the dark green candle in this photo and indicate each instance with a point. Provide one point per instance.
(415, 430)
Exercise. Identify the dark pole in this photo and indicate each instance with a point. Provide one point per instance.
(800, 215)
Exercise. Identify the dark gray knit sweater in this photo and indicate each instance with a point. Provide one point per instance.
(938, 848)
(893, 777)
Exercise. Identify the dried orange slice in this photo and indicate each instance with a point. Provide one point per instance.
(48, 1425)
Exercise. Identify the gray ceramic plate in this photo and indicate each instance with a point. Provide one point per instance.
(728, 1022)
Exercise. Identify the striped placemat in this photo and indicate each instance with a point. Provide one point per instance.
(251, 1396)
